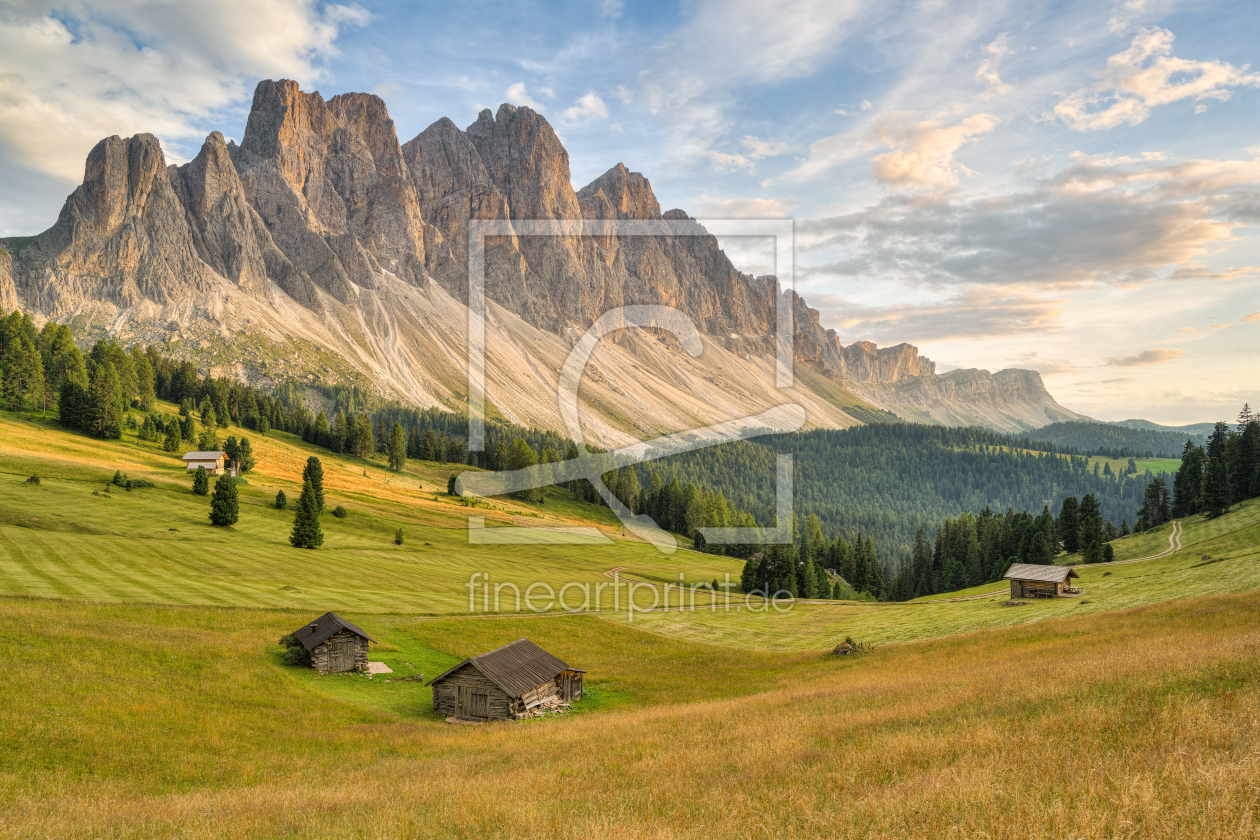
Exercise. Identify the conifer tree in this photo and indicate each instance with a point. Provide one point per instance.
(306, 532)
(201, 482)
(174, 438)
(314, 475)
(282, 501)
(224, 502)
(397, 448)
(1089, 530)
(1216, 485)
(104, 412)
(1069, 525)
(247, 460)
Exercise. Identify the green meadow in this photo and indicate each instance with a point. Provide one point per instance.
(145, 695)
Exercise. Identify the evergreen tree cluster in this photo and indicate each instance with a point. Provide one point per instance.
(1217, 474)
(888, 480)
(1083, 437)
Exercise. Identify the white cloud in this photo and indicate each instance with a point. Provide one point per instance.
(866, 106)
(518, 95)
(1000, 46)
(71, 73)
(624, 94)
(612, 8)
(585, 108)
(1144, 76)
(1157, 356)
(923, 151)
(729, 162)
(988, 75)
(758, 148)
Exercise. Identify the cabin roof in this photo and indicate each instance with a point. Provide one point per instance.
(1047, 574)
(204, 456)
(324, 628)
(517, 667)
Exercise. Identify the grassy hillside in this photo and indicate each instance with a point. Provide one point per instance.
(144, 693)
(172, 721)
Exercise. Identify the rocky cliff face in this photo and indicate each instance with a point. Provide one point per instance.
(334, 252)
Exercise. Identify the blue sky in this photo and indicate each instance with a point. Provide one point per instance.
(1070, 187)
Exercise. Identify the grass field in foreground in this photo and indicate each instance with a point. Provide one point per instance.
(127, 721)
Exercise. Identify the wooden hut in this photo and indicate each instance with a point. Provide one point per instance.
(1029, 581)
(510, 682)
(335, 644)
(215, 463)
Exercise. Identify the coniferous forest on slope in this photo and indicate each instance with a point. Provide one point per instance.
(888, 480)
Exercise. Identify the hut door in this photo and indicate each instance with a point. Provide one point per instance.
(480, 705)
(341, 655)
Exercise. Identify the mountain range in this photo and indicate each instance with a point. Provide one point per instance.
(322, 250)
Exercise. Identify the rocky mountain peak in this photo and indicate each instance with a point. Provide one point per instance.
(526, 162)
(619, 194)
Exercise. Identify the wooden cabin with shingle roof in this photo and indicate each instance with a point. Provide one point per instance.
(1031, 581)
(507, 683)
(335, 644)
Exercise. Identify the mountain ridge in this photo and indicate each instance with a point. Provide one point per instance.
(321, 230)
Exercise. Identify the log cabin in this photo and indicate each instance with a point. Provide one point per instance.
(1030, 581)
(335, 644)
(507, 683)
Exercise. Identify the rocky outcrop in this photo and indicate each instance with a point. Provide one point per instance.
(329, 182)
(322, 235)
(8, 293)
(120, 238)
(227, 231)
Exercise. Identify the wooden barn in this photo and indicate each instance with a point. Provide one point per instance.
(1029, 581)
(335, 644)
(510, 682)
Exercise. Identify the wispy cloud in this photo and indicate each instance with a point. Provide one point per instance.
(967, 315)
(1144, 76)
(1157, 356)
(1099, 220)
(745, 208)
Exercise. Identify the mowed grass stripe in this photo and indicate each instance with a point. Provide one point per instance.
(37, 580)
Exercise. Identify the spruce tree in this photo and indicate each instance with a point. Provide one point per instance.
(282, 501)
(174, 438)
(1089, 529)
(306, 532)
(398, 537)
(247, 459)
(397, 448)
(1069, 525)
(1216, 485)
(201, 482)
(224, 502)
(314, 473)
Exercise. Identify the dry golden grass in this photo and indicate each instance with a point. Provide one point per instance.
(1138, 724)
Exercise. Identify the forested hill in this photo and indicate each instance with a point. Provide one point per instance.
(888, 480)
(1115, 441)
